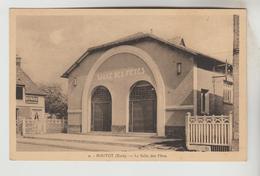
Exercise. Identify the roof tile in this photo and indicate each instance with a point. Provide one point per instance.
(23, 79)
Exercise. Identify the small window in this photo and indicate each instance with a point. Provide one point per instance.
(204, 94)
(19, 92)
(179, 68)
(228, 92)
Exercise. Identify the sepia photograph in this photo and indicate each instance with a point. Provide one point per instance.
(128, 84)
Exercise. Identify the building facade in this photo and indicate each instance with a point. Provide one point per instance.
(29, 97)
(145, 84)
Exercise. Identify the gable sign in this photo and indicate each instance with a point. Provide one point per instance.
(116, 74)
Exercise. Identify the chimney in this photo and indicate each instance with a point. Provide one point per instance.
(151, 30)
(177, 40)
(18, 61)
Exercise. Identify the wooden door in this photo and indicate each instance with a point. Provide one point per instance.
(142, 108)
(101, 115)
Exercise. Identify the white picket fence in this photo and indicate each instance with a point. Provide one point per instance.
(212, 131)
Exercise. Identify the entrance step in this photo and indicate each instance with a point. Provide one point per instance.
(131, 134)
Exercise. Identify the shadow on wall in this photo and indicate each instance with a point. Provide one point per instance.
(175, 119)
(217, 106)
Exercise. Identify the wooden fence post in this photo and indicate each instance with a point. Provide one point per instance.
(187, 129)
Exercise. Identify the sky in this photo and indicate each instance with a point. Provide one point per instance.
(49, 45)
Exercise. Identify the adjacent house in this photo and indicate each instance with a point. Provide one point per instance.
(29, 97)
(142, 84)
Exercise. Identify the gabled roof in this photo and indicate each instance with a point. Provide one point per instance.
(23, 79)
(178, 43)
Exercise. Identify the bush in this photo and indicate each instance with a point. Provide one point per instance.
(55, 101)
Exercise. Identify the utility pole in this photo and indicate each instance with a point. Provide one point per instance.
(226, 70)
(236, 80)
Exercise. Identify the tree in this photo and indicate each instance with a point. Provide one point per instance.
(55, 101)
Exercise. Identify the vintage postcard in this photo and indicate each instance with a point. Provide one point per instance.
(128, 84)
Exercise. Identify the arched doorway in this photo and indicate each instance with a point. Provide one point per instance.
(101, 109)
(158, 80)
(142, 108)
